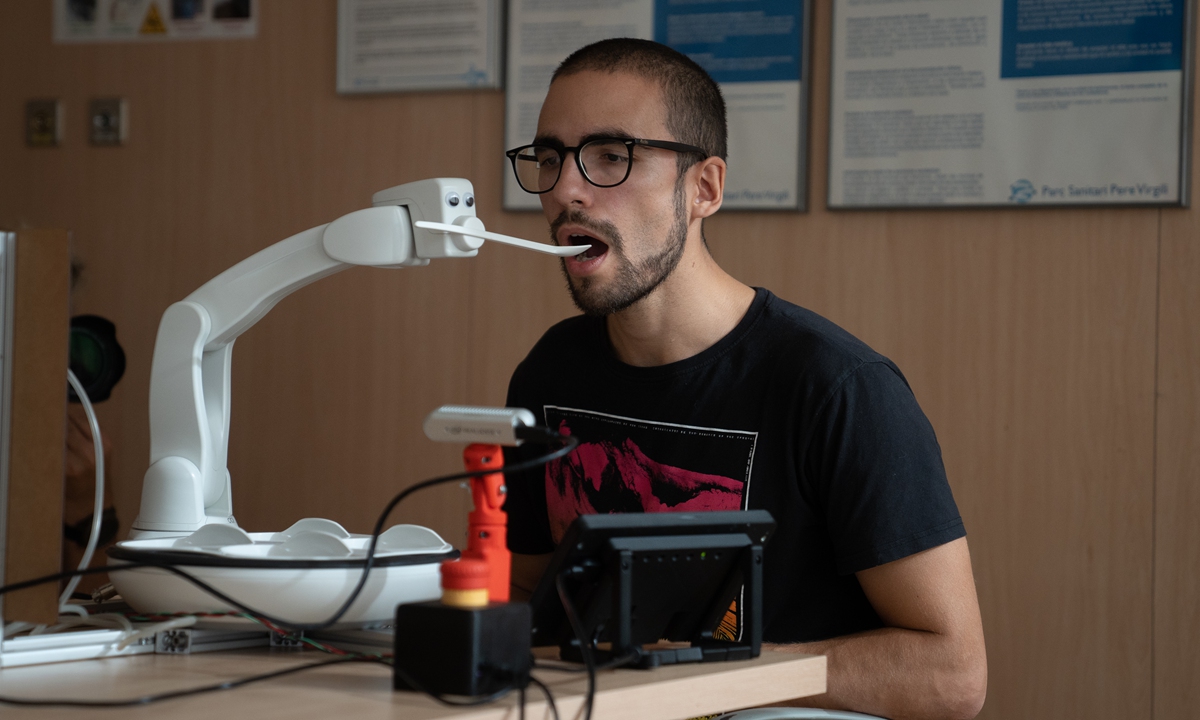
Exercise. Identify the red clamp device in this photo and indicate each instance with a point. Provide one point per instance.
(487, 524)
(473, 642)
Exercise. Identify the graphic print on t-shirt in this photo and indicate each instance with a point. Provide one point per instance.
(624, 465)
(629, 465)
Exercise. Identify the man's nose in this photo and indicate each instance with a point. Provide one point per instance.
(572, 187)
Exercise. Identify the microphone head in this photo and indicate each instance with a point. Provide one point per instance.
(472, 424)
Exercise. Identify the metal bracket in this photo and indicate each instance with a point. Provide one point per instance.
(184, 641)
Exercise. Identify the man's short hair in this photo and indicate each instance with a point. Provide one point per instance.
(695, 108)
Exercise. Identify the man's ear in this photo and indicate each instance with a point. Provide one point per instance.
(709, 187)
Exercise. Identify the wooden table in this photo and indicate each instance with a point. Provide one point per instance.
(364, 691)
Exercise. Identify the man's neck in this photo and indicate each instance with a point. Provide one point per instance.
(688, 313)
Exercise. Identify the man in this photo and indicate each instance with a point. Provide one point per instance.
(692, 391)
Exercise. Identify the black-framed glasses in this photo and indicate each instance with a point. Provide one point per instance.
(604, 162)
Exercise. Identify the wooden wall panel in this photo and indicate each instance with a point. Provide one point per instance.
(1177, 505)
(1033, 356)
(235, 145)
(37, 432)
(1029, 336)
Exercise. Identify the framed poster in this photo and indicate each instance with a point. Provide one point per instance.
(90, 21)
(755, 49)
(1009, 102)
(398, 45)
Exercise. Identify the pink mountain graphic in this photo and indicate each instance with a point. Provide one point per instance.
(607, 477)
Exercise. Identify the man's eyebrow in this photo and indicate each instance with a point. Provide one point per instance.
(554, 141)
(606, 133)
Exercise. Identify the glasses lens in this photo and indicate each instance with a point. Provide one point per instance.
(606, 162)
(537, 168)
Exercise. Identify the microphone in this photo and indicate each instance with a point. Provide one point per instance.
(473, 424)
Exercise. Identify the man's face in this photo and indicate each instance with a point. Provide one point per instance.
(638, 229)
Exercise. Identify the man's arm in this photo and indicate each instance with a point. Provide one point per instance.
(929, 662)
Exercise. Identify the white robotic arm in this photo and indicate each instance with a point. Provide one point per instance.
(187, 485)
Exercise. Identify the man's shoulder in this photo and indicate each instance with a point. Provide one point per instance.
(803, 335)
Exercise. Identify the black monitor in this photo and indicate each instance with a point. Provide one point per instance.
(638, 578)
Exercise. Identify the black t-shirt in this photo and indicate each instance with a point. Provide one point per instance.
(788, 412)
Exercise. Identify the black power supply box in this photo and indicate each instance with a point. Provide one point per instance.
(448, 650)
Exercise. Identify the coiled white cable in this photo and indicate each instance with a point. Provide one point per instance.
(98, 505)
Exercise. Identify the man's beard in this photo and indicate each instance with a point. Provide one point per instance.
(631, 283)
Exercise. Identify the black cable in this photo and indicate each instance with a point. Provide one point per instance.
(172, 694)
(549, 696)
(570, 443)
(581, 635)
(453, 702)
(14, 587)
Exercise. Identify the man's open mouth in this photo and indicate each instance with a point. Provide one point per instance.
(596, 247)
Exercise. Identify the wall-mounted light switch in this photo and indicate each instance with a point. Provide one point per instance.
(108, 121)
(43, 123)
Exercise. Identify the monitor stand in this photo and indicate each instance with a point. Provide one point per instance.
(702, 649)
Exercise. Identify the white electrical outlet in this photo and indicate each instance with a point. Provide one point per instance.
(108, 121)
